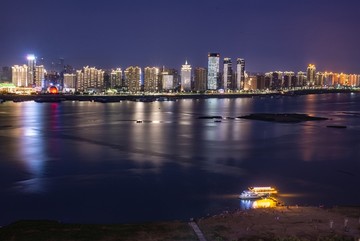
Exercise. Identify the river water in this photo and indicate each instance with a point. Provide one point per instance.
(133, 161)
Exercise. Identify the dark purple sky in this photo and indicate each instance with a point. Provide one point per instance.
(269, 34)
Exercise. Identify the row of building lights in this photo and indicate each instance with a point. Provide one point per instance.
(167, 80)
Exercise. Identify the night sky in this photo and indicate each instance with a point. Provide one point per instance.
(269, 34)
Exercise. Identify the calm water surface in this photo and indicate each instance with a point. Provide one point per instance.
(93, 163)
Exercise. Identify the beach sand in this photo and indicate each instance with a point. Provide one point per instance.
(279, 223)
(304, 223)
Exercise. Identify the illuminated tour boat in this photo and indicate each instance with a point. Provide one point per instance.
(258, 193)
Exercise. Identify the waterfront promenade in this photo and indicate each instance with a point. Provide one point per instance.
(169, 96)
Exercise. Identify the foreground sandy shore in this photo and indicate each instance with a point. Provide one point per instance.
(280, 223)
(304, 223)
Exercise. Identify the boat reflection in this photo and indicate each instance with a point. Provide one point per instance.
(259, 203)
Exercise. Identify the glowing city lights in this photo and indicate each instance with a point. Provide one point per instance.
(30, 57)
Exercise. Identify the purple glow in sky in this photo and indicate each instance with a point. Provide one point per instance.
(270, 35)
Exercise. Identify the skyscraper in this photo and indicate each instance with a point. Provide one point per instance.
(200, 79)
(240, 73)
(69, 82)
(167, 81)
(319, 79)
(276, 80)
(288, 79)
(186, 77)
(227, 75)
(213, 71)
(301, 79)
(79, 85)
(31, 70)
(90, 79)
(311, 74)
(115, 78)
(40, 76)
(151, 79)
(133, 78)
(20, 75)
(260, 81)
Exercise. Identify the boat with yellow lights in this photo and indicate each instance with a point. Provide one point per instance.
(258, 193)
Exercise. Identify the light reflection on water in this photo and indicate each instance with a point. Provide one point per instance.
(259, 203)
(91, 153)
(31, 147)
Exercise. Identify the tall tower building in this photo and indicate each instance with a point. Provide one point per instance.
(301, 79)
(40, 76)
(151, 79)
(167, 81)
(200, 79)
(319, 79)
(186, 77)
(288, 79)
(79, 86)
(213, 71)
(227, 75)
(31, 69)
(20, 75)
(311, 69)
(240, 73)
(260, 81)
(69, 82)
(268, 80)
(90, 78)
(133, 78)
(115, 78)
(276, 80)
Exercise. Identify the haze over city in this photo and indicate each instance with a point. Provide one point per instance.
(270, 35)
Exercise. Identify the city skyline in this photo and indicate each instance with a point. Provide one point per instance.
(154, 80)
(276, 35)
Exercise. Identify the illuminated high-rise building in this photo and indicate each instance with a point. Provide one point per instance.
(276, 80)
(319, 79)
(227, 75)
(186, 77)
(20, 75)
(311, 69)
(200, 79)
(213, 71)
(69, 82)
(79, 81)
(167, 81)
(250, 82)
(301, 79)
(260, 81)
(343, 79)
(327, 79)
(133, 78)
(240, 73)
(151, 79)
(289, 79)
(40, 76)
(116, 78)
(353, 80)
(90, 79)
(267, 80)
(31, 69)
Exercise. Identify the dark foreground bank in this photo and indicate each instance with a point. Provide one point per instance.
(281, 223)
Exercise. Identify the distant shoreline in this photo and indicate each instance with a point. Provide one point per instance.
(164, 97)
